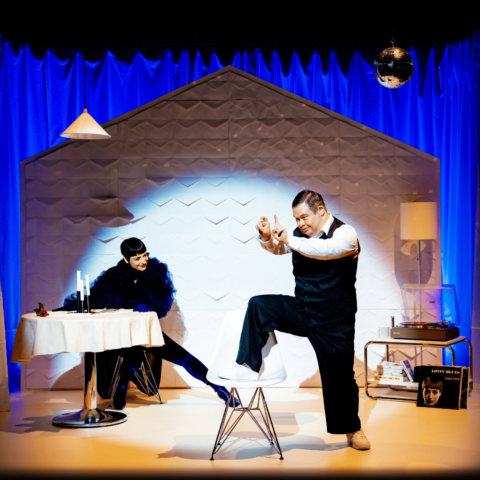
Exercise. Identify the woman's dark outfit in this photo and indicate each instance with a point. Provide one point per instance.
(151, 290)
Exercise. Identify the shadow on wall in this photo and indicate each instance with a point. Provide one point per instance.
(174, 320)
(74, 375)
(358, 366)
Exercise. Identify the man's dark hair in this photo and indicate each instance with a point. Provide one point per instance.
(311, 198)
(131, 247)
(434, 381)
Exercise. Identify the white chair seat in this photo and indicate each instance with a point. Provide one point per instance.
(225, 354)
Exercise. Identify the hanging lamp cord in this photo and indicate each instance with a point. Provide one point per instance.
(84, 80)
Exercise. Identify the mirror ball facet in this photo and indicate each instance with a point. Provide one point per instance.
(393, 67)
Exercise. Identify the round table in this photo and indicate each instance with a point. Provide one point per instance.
(70, 332)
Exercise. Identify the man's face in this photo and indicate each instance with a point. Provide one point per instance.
(431, 396)
(308, 222)
(139, 262)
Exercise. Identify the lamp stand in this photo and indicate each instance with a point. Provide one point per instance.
(420, 278)
(419, 263)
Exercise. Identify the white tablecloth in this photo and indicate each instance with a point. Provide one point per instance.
(63, 332)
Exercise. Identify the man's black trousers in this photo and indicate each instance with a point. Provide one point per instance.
(332, 341)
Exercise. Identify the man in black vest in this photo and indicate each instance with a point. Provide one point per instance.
(325, 255)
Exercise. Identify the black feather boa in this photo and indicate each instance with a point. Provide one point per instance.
(124, 287)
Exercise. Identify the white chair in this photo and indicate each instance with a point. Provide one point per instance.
(271, 373)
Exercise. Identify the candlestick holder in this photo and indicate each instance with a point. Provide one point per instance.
(78, 302)
(87, 301)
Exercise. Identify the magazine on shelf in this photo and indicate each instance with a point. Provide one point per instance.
(392, 378)
(407, 368)
(389, 369)
(440, 386)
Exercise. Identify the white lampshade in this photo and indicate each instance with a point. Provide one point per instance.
(85, 128)
(418, 221)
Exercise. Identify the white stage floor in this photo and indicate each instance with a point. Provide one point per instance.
(177, 438)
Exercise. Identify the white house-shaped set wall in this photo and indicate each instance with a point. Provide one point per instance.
(190, 173)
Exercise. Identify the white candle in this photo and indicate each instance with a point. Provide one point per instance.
(81, 290)
(87, 283)
(78, 280)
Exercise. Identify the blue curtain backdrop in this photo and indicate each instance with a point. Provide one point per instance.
(41, 93)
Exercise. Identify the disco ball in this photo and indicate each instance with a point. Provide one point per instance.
(393, 67)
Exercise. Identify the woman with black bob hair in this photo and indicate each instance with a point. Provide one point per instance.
(143, 284)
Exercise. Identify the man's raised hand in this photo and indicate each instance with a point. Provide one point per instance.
(279, 233)
(263, 227)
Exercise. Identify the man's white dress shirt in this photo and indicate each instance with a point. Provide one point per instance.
(344, 242)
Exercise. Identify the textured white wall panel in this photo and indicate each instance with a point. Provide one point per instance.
(190, 175)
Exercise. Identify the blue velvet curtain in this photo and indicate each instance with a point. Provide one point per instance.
(41, 93)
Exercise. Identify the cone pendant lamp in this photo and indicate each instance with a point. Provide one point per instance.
(86, 128)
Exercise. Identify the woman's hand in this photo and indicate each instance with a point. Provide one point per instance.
(142, 308)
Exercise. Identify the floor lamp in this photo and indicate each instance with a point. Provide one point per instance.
(418, 221)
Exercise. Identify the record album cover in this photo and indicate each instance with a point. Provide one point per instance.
(439, 386)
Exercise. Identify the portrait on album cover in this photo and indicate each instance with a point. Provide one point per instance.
(432, 388)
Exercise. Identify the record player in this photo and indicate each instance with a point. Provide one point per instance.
(439, 331)
(430, 313)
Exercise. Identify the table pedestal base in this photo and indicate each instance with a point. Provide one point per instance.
(90, 416)
(89, 419)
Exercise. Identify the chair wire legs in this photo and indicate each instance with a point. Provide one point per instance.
(228, 424)
(115, 378)
(149, 384)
